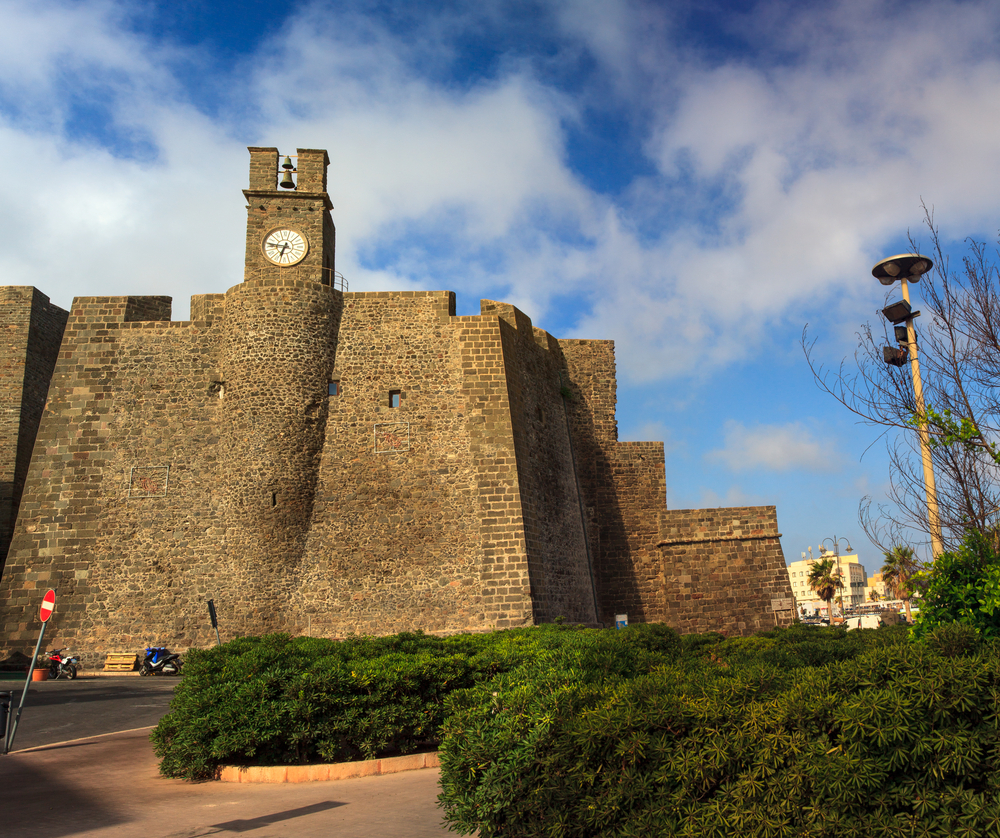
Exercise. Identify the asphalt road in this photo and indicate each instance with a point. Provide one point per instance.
(58, 784)
(60, 711)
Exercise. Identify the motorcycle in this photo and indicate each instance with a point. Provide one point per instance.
(62, 665)
(159, 660)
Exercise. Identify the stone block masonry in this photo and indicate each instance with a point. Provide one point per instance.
(32, 335)
(327, 462)
(723, 570)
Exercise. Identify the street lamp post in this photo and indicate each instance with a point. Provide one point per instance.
(840, 573)
(909, 267)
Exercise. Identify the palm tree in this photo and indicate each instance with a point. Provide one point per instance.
(899, 568)
(824, 579)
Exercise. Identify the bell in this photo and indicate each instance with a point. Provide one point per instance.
(287, 163)
(286, 180)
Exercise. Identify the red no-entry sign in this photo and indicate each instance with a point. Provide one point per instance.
(48, 604)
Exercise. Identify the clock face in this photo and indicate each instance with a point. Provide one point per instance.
(285, 247)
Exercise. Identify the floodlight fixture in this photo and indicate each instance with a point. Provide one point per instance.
(908, 266)
(897, 312)
(894, 356)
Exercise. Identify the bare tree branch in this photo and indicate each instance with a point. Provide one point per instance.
(959, 346)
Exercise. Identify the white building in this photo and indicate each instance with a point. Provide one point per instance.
(852, 574)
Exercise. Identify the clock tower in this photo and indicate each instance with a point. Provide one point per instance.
(289, 228)
(278, 354)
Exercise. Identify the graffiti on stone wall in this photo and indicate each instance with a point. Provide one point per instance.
(148, 481)
(392, 437)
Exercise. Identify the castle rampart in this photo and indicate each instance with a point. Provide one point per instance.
(328, 462)
(723, 570)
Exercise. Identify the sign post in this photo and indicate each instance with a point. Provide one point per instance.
(47, 607)
(782, 604)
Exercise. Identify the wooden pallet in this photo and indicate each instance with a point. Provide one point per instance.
(120, 661)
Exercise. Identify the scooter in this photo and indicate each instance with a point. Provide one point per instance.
(62, 665)
(159, 660)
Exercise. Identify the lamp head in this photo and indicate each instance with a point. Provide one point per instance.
(908, 266)
(897, 312)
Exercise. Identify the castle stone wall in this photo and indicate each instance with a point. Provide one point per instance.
(329, 463)
(624, 487)
(632, 580)
(161, 478)
(278, 353)
(396, 538)
(122, 500)
(31, 340)
(723, 570)
(493, 460)
(554, 524)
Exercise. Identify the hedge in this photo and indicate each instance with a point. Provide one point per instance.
(278, 700)
(738, 737)
(562, 731)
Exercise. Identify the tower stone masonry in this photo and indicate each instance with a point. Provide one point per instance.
(327, 462)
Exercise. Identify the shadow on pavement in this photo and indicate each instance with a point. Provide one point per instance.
(266, 820)
(60, 811)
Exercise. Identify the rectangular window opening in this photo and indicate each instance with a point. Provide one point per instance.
(394, 397)
(333, 388)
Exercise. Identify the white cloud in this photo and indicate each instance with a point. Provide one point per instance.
(819, 160)
(774, 448)
(809, 165)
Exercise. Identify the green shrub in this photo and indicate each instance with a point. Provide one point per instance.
(895, 740)
(692, 644)
(276, 700)
(795, 646)
(962, 586)
(952, 639)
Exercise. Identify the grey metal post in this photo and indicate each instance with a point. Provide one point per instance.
(24, 694)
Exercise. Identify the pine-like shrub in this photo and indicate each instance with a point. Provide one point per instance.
(277, 700)
(953, 639)
(895, 740)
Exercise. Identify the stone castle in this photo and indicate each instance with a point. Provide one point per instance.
(329, 462)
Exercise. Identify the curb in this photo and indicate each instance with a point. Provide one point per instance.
(330, 771)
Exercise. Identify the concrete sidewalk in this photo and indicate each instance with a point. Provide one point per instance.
(109, 786)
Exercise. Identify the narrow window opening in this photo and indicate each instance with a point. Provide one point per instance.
(394, 397)
(274, 499)
(333, 388)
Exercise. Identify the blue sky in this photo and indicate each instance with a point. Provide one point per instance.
(695, 180)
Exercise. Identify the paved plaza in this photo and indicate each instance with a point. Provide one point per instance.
(108, 786)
